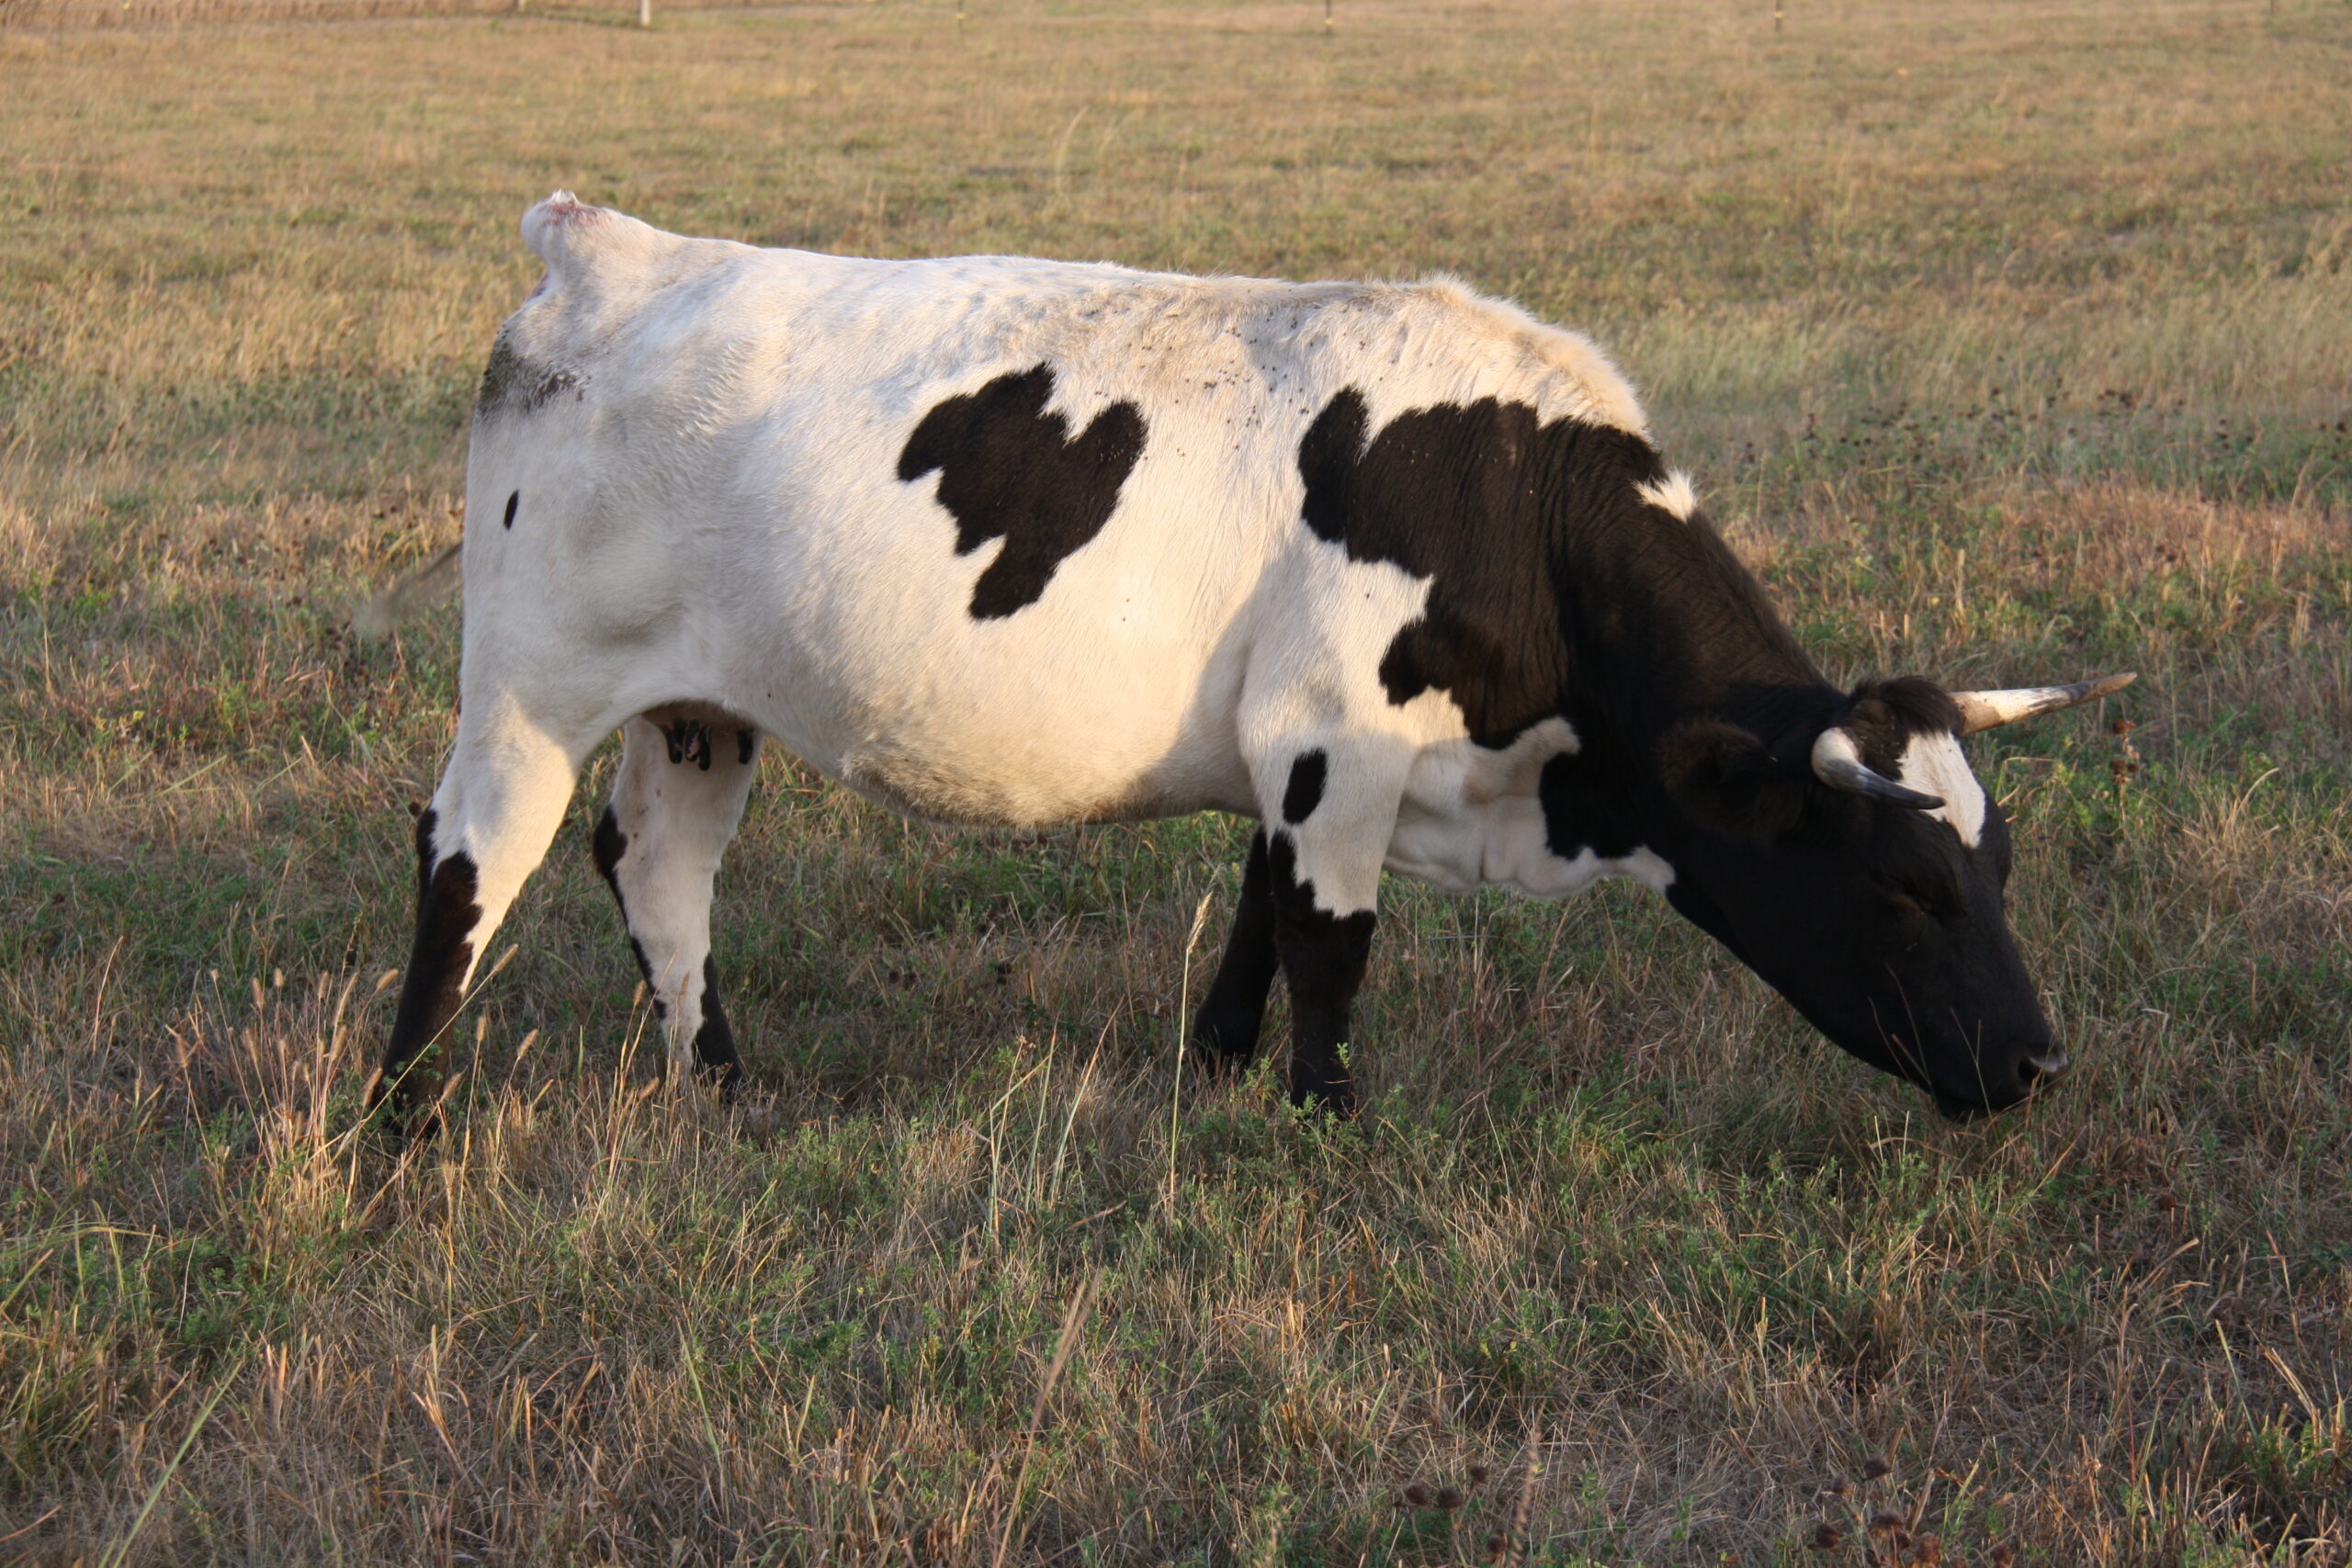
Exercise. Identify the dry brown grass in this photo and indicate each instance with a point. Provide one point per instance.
(2010, 341)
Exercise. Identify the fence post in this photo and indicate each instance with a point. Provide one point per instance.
(644, 13)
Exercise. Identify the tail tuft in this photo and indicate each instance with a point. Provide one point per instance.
(384, 614)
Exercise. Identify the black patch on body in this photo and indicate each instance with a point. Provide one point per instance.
(1227, 1024)
(448, 909)
(1323, 957)
(1305, 791)
(1471, 497)
(747, 745)
(1582, 811)
(511, 381)
(606, 846)
(1009, 469)
(513, 501)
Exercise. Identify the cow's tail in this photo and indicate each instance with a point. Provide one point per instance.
(582, 244)
(382, 615)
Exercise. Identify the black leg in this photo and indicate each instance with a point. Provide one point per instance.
(715, 1058)
(1225, 1028)
(416, 1060)
(1323, 957)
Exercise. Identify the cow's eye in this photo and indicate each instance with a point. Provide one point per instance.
(1911, 904)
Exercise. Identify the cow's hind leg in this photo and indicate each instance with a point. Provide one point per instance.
(680, 792)
(1225, 1028)
(500, 801)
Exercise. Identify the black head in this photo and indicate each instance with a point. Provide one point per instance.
(1848, 856)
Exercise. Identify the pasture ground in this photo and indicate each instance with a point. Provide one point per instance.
(2010, 341)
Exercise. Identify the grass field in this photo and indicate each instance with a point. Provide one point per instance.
(2009, 343)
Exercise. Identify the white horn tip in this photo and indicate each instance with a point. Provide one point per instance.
(1984, 710)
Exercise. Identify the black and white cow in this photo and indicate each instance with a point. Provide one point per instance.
(1393, 569)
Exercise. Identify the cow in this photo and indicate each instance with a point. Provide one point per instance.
(1394, 570)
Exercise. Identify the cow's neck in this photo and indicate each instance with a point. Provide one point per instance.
(1664, 624)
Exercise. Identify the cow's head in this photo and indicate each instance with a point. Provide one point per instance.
(1858, 867)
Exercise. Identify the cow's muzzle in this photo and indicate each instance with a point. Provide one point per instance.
(2033, 1072)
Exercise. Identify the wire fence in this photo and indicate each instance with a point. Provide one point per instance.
(77, 15)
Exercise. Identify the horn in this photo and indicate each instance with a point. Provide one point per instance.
(1838, 765)
(1983, 710)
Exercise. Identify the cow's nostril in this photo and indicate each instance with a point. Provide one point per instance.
(2048, 1065)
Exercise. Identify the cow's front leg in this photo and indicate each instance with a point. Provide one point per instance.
(676, 801)
(1326, 837)
(1226, 1029)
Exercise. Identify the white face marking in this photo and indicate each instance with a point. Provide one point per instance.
(1672, 493)
(1934, 764)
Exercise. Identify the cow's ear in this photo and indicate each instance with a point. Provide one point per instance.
(1726, 781)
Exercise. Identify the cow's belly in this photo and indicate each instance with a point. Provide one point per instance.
(1113, 696)
(964, 747)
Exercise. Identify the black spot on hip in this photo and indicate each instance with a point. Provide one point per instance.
(1305, 791)
(511, 381)
(513, 501)
(1009, 469)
